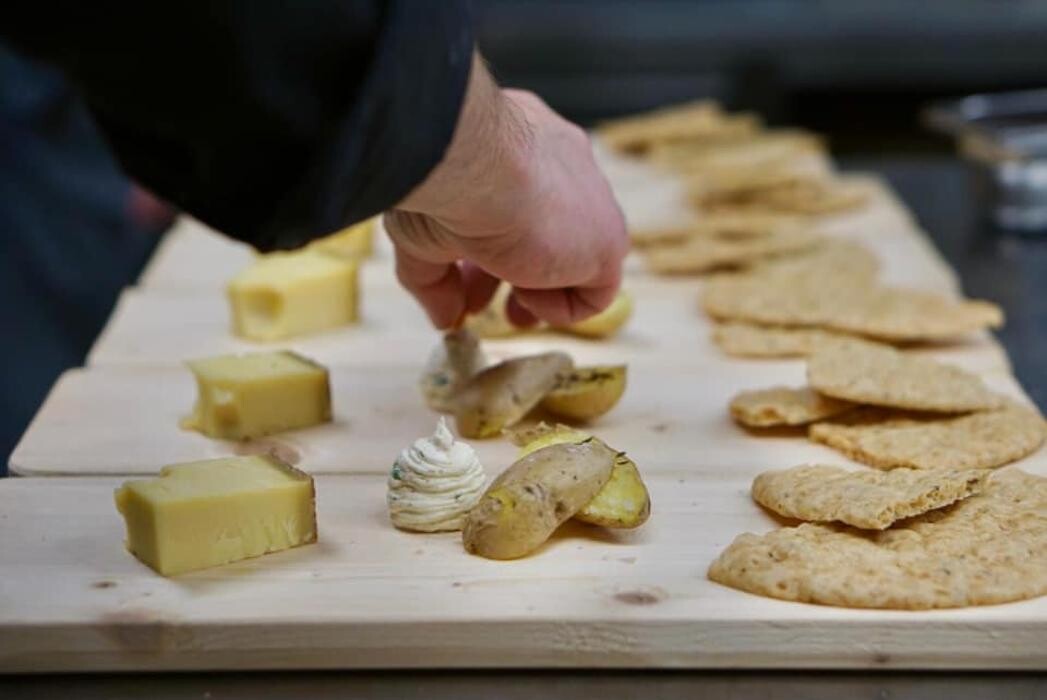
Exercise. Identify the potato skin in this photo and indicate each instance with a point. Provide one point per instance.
(502, 394)
(587, 392)
(525, 505)
(623, 502)
(452, 364)
(607, 322)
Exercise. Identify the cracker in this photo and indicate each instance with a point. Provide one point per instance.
(773, 148)
(782, 405)
(987, 549)
(890, 439)
(729, 248)
(835, 257)
(875, 374)
(699, 121)
(728, 224)
(779, 191)
(750, 340)
(865, 499)
(847, 303)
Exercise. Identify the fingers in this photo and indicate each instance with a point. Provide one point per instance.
(517, 314)
(562, 307)
(479, 286)
(438, 287)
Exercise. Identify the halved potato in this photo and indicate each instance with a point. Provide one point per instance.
(532, 498)
(499, 396)
(587, 392)
(623, 502)
(607, 322)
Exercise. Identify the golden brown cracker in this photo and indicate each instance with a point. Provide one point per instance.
(740, 339)
(871, 500)
(890, 439)
(729, 248)
(987, 549)
(780, 405)
(879, 375)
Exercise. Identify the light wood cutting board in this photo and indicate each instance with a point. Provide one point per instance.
(369, 596)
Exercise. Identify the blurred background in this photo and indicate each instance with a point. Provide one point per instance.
(74, 231)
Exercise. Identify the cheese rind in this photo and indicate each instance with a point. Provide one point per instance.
(202, 514)
(287, 294)
(248, 396)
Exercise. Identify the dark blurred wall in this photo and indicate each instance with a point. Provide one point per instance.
(73, 232)
(858, 70)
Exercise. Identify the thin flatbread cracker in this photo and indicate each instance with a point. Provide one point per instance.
(701, 121)
(740, 339)
(850, 304)
(729, 249)
(781, 191)
(835, 257)
(987, 549)
(729, 225)
(781, 405)
(871, 500)
(890, 439)
(773, 148)
(878, 375)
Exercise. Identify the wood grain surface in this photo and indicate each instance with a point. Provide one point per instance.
(369, 596)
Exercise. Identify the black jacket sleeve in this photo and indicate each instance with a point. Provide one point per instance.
(275, 121)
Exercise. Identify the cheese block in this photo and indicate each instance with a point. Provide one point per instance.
(248, 396)
(357, 241)
(287, 294)
(202, 514)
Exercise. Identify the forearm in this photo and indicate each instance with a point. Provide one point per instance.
(273, 122)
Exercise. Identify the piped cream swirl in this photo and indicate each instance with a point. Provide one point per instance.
(434, 483)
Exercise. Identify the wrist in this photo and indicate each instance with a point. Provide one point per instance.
(489, 134)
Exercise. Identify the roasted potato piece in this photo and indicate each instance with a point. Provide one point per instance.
(492, 321)
(607, 322)
(502, 394)
(587, 392)
(622, 503)
(525, 505)
(452, 364)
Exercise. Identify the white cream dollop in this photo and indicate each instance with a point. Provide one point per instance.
(434, 483)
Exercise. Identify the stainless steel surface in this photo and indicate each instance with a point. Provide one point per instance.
(1004, 138)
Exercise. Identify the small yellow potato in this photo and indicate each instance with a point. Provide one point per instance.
(587, 392)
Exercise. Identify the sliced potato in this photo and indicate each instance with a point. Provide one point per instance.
(499, 396)
(452, 364)
(623, 502)
(525, 505)
(587, 392)
(607, 322)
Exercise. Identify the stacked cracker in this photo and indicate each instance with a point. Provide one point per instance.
(755, 191)
(932, 526)
(931, 529)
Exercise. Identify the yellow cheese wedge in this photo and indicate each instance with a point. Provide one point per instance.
(287, 294)
(202, 514)
(247, 396)
(357, 241)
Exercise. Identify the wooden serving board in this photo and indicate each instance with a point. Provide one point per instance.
(125, 421)
(369, 596)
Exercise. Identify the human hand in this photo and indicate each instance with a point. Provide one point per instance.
(518, 197)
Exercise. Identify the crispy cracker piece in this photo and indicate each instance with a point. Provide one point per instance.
(834, 258)
(783, 405)
(773, 148)
(729, 224)
(987, 549)
(777, 190)
(847, 303)
(729, 248)
(865, 499)
(751, 340)
(701, 121)
(889, 439)
(875, 374)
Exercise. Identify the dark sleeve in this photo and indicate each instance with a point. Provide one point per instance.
(273, 121)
